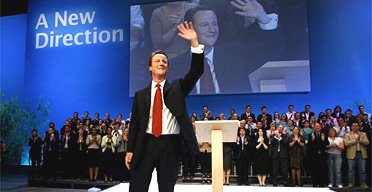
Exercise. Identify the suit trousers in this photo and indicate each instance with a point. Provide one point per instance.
(242, 167)
(281, 163)
(162, 153)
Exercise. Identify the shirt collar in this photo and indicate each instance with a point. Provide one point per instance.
(209, 56)
(153, 84)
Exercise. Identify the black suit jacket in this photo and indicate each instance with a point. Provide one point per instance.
(269, 118)
(239, 153)
(283, 147)
(243, 116)
(174, 98)
(303, 115)
(54, 143)
(317, 146)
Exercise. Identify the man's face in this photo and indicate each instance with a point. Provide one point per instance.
(317, 127)
(159, 65)
(205, 109)
(264, 110)
(328, 113)
(242, 132)
(280, 129)
(290, 108)
(297, 116)
(355, 127)
(307, 108)
(248, 109)
(361, 109)
(340, 122)
(206, 26)
(259, 125)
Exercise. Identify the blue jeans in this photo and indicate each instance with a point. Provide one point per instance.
(361, 168)
(334, 168)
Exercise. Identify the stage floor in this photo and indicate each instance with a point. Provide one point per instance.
(208, 188)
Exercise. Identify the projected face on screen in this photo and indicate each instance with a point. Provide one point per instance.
(256, 47)
(206, 26)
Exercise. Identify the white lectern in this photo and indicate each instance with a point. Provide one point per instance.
(217, 132)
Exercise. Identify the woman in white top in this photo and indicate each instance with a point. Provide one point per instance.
(94, 142)
(335, 147)
(108, 148)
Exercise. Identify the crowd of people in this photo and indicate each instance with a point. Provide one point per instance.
(326, 147)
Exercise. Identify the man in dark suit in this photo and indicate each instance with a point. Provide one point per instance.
(219, 68)
(337, 112)
(307, 114)
(268, 119)
(279, 155)
(160, 121)
(317, 151)
(51, 148)
(248, 113)
(242, 156)
(206, 114)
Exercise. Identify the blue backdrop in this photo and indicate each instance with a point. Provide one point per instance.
(94, 77)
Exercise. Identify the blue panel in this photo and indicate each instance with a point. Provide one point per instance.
(13, 48)
(92, 76)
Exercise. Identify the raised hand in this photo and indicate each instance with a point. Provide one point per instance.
(251, 8)
(187, 32)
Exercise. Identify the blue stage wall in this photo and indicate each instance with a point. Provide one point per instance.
(94, 77)
(13, 49)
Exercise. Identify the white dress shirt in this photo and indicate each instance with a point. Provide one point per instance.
(169, 121)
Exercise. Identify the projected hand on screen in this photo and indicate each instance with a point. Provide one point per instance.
(187, 32)
(251, 8)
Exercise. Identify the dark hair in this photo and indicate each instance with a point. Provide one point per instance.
(248, 106)
(157, 52)
(290, 106)
(286, 118)
(120, 115)
(76, 112)
(337, 107)
(263, 107)
(307, 105)
(96, 114)
(189, 15)
(87, 112)
(340, 118)
(360, 106)
(356, 122)
(51, 123)
(328, 110)
(205, 106)
(68, 126)
(34, 130)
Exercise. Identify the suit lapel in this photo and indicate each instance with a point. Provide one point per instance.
(148, 98)
(167, 85)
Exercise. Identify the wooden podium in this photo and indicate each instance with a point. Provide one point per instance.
(217, 132)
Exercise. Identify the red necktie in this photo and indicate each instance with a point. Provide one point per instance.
(157, 111)
(206, 81)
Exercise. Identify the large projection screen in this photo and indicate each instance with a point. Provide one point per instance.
(244, 55)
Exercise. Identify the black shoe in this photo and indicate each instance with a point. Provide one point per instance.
(240, 183)
(275, 184)
(247, 183)
(286, 185)
(300, 185)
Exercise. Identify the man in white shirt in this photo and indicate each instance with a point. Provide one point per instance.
(160, 123)
(291, 113)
